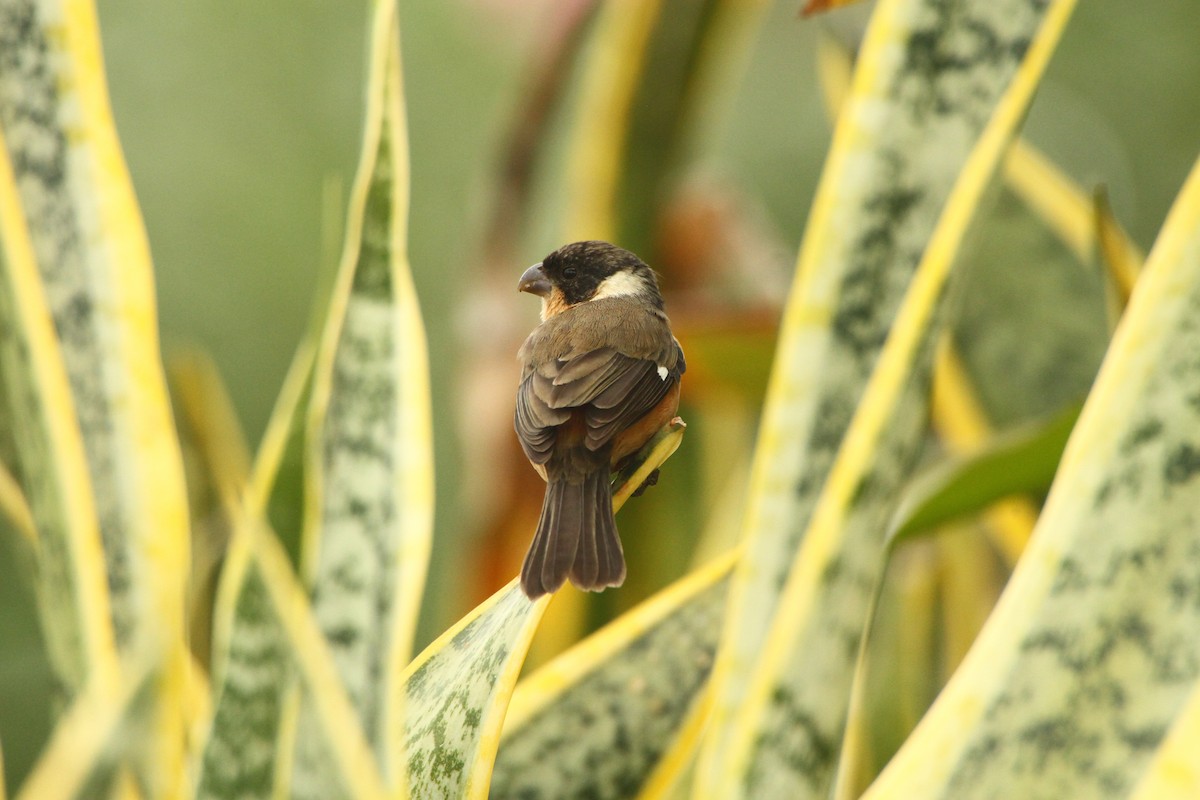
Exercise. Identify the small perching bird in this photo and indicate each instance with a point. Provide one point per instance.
(599, 377)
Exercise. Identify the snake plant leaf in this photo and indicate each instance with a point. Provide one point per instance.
(620, 46)
(958, 413)
(72, 592)
(597, 720)
(692, 54)
(89, 740)
(963, 427)
(277, 477)
(1091, 650)
(1174, 773)
(909, 125)
(1021, 461)
(217, 465)
(369, 467)
(90, 247)
(15, 508)
(459, 688)
(1121, 258)
(206, 411)
(264, 635)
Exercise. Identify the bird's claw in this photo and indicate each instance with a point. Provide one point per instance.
(651, 480)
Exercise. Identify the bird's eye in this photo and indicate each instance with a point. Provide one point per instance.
(569, 272)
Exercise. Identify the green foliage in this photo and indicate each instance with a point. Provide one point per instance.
(1018, 462)
(937, 294)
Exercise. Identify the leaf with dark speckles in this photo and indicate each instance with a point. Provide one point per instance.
(940, 89)
(1092, 651)
(599, 720)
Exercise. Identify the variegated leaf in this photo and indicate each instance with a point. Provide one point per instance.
(457, 694)
(1092, 649)
(596, 721)
(88, 242)
(369, 468)
(92, 737)
(1174, 773)
(265, 637)
(216, 462)
(92, 255)
(71, 586)
(928, 79)
(458, 689)
(608, 87)
(14, 507)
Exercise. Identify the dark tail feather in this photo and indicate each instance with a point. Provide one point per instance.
(576, 536)
(600, 562)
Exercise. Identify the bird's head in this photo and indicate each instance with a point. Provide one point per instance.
(585, 271)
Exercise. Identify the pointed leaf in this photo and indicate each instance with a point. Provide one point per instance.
(1015, 463)
(609, 85)
(1120, 256)
(369, 468)
(277, 478)
(459, 688)
(265, 633)
(597, 720)
(88, 740)
(1092, 649)
(962, 426)
(72, 591)
(15, 508)
(92, 254)
(917, 102)
(93, 257)
(1174, 773)
(217, 461)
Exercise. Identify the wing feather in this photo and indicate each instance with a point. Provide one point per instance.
(615, 390)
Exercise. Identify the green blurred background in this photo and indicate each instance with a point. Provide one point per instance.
(241, 125)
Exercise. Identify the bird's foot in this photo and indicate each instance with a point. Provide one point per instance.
(651, 480)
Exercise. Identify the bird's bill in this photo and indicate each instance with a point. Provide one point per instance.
(534, 281)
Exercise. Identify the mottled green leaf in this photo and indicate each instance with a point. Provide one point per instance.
(458, 689)
(596, 721)
(457, 693)
(1032, 328)
(1174, 774)
(369, 466)
(265, 637)
(930, 77)
(277, 478)
(93, 258)
(89, 245)
(71, 586)
(252, 667)
(1091, 650)
(1017, 462)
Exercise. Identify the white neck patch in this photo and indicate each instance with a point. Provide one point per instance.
(618, 285)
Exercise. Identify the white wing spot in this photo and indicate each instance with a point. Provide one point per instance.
(662, 373)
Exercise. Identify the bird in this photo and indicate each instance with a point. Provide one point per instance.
(600, 375)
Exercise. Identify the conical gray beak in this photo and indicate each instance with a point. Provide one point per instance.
(534, 281)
